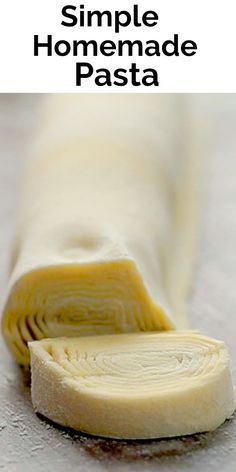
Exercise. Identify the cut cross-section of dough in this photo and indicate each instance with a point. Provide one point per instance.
(104, 244)
(106, 228)
(133, 386)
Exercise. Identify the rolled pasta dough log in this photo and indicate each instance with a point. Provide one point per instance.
(106, 227)
(104, 244)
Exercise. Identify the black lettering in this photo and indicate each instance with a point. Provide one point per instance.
(153, 48)
(192, 48)
(83, 75)
(136, 22)
(150, 16)
(85, 45)
(152, 75)
(81, 15)
(99, 15)
(38, 45)
(65, 44)
(134, 70)
(118, 22)
(118, 74)
(104, 77)
(175, 43)
(130, 46)
(72, 17)
(107, 48)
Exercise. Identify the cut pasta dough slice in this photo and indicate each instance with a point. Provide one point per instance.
(106, 228)
(133, 386)
(105, 244)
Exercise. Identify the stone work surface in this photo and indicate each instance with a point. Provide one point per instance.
(30, 443)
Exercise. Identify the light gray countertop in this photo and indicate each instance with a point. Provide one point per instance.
(30, 443)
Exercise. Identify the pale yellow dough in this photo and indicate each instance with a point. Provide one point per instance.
(106, 228)
(105, 245)
(132, 386)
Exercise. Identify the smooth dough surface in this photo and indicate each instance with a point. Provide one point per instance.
(106, 228)
(133, 386)
(105, 244)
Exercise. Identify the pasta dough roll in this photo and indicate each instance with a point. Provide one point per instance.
(106, 228)
(133, 386)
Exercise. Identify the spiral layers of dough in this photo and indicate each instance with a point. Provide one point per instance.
(104, 244)
(108, 208)
(143, 385)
